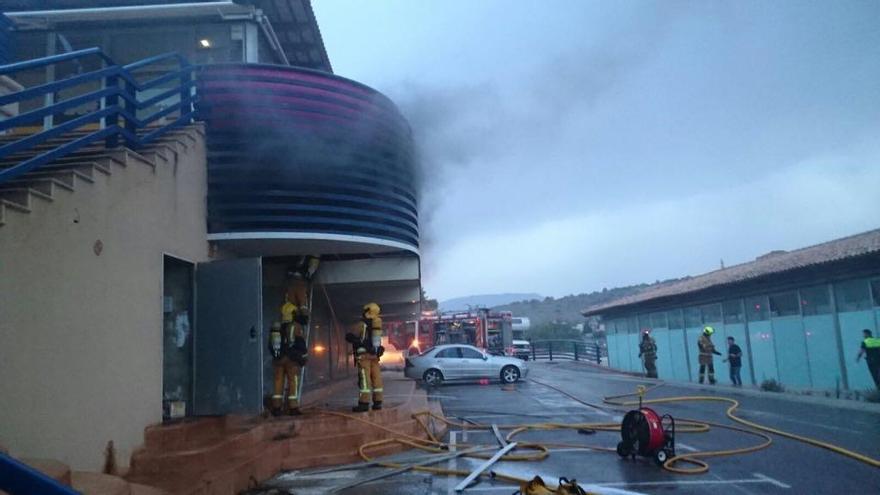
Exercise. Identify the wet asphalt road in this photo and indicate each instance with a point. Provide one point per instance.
(785, 467)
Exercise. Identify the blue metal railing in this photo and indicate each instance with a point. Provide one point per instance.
(17, 478)
(118, 102)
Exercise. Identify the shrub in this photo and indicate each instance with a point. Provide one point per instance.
(772, 386)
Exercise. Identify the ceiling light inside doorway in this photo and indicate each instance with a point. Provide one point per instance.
(205, 43)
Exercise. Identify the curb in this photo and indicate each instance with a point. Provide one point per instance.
(748, 392)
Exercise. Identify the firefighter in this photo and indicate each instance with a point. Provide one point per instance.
(707, 349)
(289, 355)
(648, 353)
(368, 350)
(871, 350)
(299, 278)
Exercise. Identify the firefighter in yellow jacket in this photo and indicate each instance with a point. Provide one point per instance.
(707, 350)
(368, 349)
(289, 355)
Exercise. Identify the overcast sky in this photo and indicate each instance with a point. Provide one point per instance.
(574, 145)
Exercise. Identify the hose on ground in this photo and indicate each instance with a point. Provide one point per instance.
(540, 451)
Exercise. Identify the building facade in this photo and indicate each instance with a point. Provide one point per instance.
(151, 278)
(798, 316)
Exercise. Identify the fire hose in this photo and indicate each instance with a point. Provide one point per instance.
(540, 451)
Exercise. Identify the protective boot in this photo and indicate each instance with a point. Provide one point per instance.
(361, 407)
(377, 405)
(294, 411)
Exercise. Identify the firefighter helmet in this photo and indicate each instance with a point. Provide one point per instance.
(371, 310)
(707, 330)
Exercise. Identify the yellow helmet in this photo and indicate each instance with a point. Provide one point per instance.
(708, 330)
(371, 310)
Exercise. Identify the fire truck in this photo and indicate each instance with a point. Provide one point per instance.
(483, 328)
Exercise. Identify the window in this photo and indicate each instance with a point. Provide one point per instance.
(658, 320)
(785, 304)
(711, 313)
(468, 353)
(450, 353)
(632, 325)
(692, 318)
(815, 300)
(733, 312)
(875, 289)
(852, 295)
(757, 309)
(644, 323)
(676, 320)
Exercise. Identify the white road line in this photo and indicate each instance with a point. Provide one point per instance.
(453, 463)
(760, 478)
(685, 446)
(771, 480)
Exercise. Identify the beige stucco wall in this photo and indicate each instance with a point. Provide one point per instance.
(80, 333)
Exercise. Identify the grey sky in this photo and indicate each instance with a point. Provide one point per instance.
(573, 145)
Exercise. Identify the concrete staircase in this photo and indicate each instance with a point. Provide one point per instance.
(224, 456)
(79, 170)
(89, 483)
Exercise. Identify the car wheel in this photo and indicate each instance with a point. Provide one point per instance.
(433, 377)
(509, 374)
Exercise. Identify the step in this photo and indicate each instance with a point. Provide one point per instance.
(196, 458)
(46, 185)
(176, 434)
(56, 470)
(99, 484)
(23, 195)
(137, 489)
(331, 424)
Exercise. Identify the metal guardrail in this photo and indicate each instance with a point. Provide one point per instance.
(117, 103)
(575, 350)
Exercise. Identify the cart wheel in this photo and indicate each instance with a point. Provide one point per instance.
(661, 457)
(622, 450)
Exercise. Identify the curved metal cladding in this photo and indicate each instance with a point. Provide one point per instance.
(292, 150)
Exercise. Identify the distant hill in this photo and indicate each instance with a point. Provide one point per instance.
(484, 300)
(568, 309)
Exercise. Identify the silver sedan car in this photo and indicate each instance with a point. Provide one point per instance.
(462, 362)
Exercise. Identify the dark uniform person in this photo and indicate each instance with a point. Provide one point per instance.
(648, 353)
(734, 357)
(707, 349)
(871, 350)
(368, 350)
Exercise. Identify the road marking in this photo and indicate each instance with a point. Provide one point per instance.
(685, 447)
(771, 480)
(453, 463)
(759, 478)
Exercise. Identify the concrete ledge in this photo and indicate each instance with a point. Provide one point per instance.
(231, 454)
(746, 391)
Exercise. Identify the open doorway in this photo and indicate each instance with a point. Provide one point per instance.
(177, 338)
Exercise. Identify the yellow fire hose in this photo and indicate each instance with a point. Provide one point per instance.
(540, 451)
